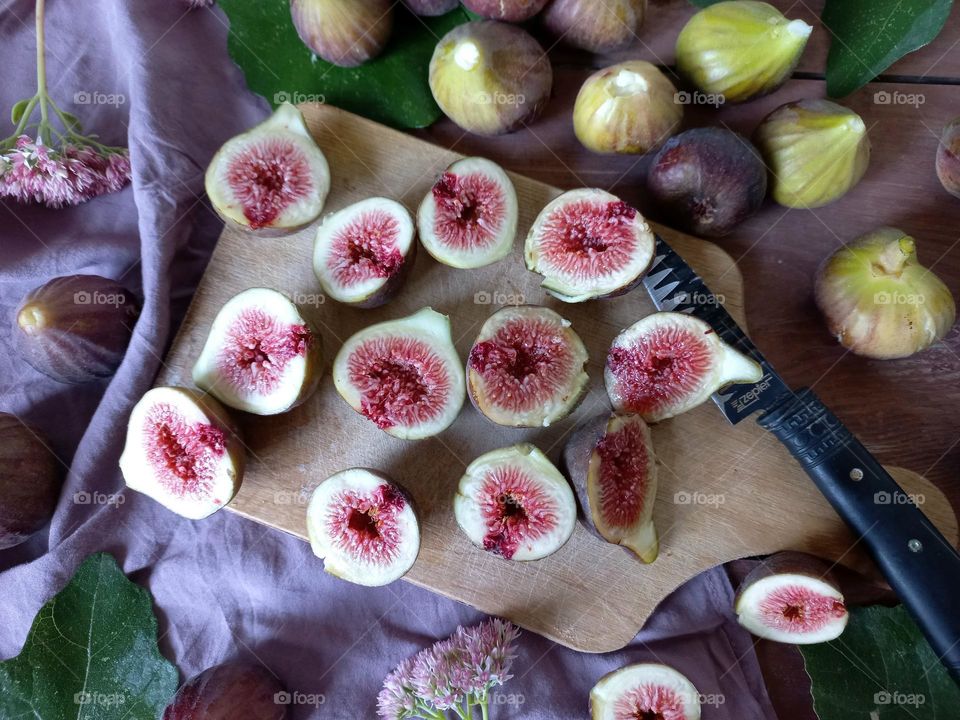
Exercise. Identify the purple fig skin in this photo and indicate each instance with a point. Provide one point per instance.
(230, 691)
(948, 158)
(575, 459)
(76, 328)
(30, 481)
(346, 33)
(431, 8)
(708, 180)
(507, 10)
(599, 27)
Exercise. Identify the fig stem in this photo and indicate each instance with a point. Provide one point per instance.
(31, 319)
(895, 255)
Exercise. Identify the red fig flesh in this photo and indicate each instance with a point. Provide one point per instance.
(645, 691)
(30, 481)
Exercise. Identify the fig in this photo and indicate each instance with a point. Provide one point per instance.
(589, 244)
(347, 33)
(489, 77)
(514, 503)
(816, 151)
(948, 158)
(708, 180)
(364, 253)
(527, 368)
(600, 27)
(469, 217)
(76, 328)
(793, 598)
(260, 356)
(646, 691)
(364, 527)
(272, 179)
(30, 481)
(739, 49)
(431, 8)
(403, 375)
(627, 108)
(508, 10)
(670, 362)
(879, 301)
(184, 451)
(610, 462)
(230, 691)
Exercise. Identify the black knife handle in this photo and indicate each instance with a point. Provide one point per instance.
(922, 567)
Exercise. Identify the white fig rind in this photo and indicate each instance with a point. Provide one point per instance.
(752, 595)
(604, 695)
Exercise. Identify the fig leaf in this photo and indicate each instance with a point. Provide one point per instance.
(882, 668)
(391, 88)
(91, 653)
(870, 35)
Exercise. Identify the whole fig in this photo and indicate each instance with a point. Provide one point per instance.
(508, 10)
(948, 158)
(599, 27)
(76, 328)
(30, 480)
(431, 8)
(708, 180)
(230, 691)
(344, 32)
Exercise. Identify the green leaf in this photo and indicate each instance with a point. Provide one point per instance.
(391, 88)
(16, 113)
(91, 654)
(881, 668)
(71, 121)
(870, 35)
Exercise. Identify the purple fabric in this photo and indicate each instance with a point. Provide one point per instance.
(227, 587)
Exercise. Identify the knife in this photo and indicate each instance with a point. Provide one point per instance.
(921, 565)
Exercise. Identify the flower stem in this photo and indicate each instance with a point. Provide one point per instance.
(42, 73)
(485, 710)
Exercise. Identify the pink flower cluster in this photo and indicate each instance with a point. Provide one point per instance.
(452, 673)
(33, 172)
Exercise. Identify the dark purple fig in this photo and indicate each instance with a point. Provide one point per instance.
(431, 8)
(708, 180)
(30, 480)
(599, 27)
(76, 328)
(230, 691)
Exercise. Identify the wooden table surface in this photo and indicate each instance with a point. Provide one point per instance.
(906, 411)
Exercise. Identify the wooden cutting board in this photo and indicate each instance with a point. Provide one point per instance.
(724, 492)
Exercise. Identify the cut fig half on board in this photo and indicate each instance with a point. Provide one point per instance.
(469, 217)
(364, 252)
(611, 464)
(514, 503)
(364, 527)
(646, 691)
(183, 451)
(668, 363)
(589, 244)
(261, 355)
(527, 368)
(792, 597)
(403, 375)
(272, 179)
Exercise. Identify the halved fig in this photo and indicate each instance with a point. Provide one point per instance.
(364, 527)
(364, 252)
(469, 217)
(183, 451)
(611, 464)
(589, 244)
(272, 179)
(792, 597)
(527, 367)
(261, 355)
(403, 375)
(514, 503)
(668, 363)
(646, 691)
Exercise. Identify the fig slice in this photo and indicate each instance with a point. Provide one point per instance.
(364, 252)
(514, 503)
(611, 464)
(272, 179)
(670, 362)
(469, 217)
(261, 355)
(589, 244)
(183, 451)
(403, 375)
(364, 527)
(644, 690)
(792, 597)
(527, 367)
